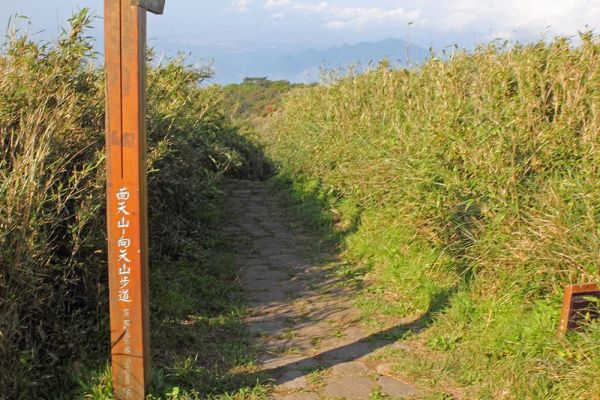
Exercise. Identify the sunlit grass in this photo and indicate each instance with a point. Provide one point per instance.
(466, 194)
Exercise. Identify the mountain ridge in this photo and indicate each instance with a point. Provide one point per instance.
(279, 62)
(302, 68)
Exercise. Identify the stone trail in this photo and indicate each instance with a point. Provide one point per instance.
(300, 312)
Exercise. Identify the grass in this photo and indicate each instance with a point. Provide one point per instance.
(201, 348)
(464, 195)
(53, 275)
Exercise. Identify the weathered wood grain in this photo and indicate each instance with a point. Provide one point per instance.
(125, 42)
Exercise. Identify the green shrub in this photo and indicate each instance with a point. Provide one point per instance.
(53, 297)
(477, 179)
(255, 97)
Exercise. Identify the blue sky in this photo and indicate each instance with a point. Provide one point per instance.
(241, 37)
(323, 23)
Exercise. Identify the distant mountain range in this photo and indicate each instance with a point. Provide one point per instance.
(233, 64)
(306, 66)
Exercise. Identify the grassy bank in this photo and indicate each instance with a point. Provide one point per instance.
(468, 191)
(53, 297)
(201, 348)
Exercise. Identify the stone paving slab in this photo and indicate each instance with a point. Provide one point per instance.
(299, 396)
(396, 388)
(350, 388)
(293, 379)
(269, 327)
(267, 296)
(349, 369)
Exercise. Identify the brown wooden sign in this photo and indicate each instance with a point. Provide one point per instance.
(578, 307)
(154, 6)
(127, 217)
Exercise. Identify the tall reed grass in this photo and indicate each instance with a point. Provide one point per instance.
(475, 180)
(53, 297)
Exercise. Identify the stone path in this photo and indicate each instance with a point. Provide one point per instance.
(300, 311)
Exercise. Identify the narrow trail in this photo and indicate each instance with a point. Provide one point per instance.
(301, 313)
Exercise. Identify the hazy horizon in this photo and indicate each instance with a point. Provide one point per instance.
(233, 31)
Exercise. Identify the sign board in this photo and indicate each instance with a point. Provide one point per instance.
(154, 6)
(127, 215)
(579, 307)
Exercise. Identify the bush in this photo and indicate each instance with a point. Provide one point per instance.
(487, 159)
(53, 297)
(255, 97)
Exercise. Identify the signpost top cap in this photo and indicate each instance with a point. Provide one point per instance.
(154, 6)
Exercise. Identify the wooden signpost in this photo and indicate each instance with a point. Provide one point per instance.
(127, 216)
(579, 307)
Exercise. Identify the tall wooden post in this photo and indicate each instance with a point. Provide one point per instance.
(127, 216)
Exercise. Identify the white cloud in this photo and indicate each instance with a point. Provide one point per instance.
(241, 6)
(530, 17)
(336, 17)
(277, 3)
(484, 19)
(353, 18)
(292, 5)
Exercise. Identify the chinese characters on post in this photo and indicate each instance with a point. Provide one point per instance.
(125, 51)
(123, 245)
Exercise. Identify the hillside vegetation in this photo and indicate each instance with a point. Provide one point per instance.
(255, 97)
(53, 297)
(467, 192)
(464, 194)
